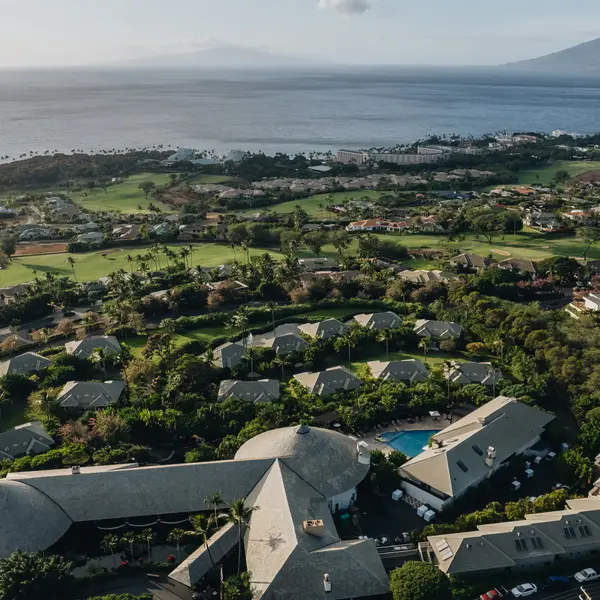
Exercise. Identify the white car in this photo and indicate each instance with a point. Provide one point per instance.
(524, 590)
(586, 575)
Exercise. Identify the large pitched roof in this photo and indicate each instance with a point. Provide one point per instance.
(381, 320)
(29, 438)
(456, 459)
(263, 390)
(90, 394)
(437, 329)
(472, 372)
(399, 370)
(26, 363)
(86, 347)
(330, 381)
(324, 329)
(325, 459)
(538, 536)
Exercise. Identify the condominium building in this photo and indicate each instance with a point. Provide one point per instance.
(352, 157)
(408, 159)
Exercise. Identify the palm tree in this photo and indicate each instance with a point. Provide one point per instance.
(202, 526)
(175, 536)
(148, 536)
(99, 356)
(130, 539)
(109, 544)
(215, 500)
(240, 319)
(130, 260)
(272, 306)
(192, 252)
(424, 344)
(283, 362)
(447, 370)
(251, 354)
(71, 262)
(383, 337)
(239, 514)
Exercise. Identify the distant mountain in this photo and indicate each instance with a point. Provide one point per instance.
(582, 58)
(222, 55)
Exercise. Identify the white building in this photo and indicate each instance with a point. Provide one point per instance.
(352, 157)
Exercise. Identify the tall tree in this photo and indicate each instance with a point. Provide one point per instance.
(239, 515)
(147, 187)
(590, 236)
(8, 245)
(71, 261)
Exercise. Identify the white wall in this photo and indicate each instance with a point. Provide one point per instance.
(423, 496)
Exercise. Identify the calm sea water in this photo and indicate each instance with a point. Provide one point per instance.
(281, 111)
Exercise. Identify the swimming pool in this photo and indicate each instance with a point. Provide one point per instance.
(409, 442)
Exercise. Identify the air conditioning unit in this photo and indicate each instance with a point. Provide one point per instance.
(326, 583)
(75, 470)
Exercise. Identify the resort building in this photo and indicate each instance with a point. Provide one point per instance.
(323, 330)
(10, 294)
(378, 225)
(421, 277)
(538, 540)
(330, 381)
(410, 370)
(437, 330)
(470, 450)
(296, 476)
(471, 261)
(407, 159)
(472, 372)
(90, 395)
(518, 264)
(264, 390)
(282, 344)
(27, 439)
(313, 265)
(352, 157)
(24, 364)
(86, 348)
(377, 321)
(592, 301)
(228, 355)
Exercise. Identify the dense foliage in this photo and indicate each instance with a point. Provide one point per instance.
(419, 581)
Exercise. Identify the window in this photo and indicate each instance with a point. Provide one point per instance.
(570, 533)
(521, 545)
(536, 543)
(584, 531)
(462, 466)
(477, 449)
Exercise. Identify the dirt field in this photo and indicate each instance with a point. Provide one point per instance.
(41, 248)
(500, 252)
(590, 177)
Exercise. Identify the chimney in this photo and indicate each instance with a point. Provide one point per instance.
(75, 470)
(326, 583)
(490, 457)
(364, 456)
(314, 527)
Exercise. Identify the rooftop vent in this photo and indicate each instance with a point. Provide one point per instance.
(326, 583)
(75, 470)
(302, 429)
(364, 456)
(314, 527)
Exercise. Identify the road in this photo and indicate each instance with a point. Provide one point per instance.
(592, 589)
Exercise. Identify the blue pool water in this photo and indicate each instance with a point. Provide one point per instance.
(409, 442)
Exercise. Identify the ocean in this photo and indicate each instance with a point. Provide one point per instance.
(274, 111)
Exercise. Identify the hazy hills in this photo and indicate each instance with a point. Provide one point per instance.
(222, 55)
(582, 58)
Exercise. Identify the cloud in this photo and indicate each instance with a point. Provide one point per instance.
(347, 7)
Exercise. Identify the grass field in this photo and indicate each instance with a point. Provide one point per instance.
(545, 175)
(123, 197)
(92, 265)
(311, 204)
(198, 179)
(525, 245)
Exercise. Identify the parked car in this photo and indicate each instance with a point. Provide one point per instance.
(494, 594)
(586, 575)
(556, 582)
(524, 590)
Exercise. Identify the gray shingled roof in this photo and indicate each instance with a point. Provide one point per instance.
(324, 329)
(381, 320)
(263, 390)
(85, 348)
(30, 438)
(228, 355)
(26, 363)
(472, 372)
(90, 394)
(440, 330)
(282, 344)
(330, 381)
(399, 370)
(541, 537)
(325, 459)
(456, 459)
(471, 260)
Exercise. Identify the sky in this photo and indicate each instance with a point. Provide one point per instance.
(402, 32)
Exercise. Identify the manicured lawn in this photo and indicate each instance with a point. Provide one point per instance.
(90, 266)
(523, 245)
(197, 179)
(311, 204)
(123, 197)
(434, 359)
(546, 174)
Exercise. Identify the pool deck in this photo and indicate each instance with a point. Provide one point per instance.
(425, 424)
